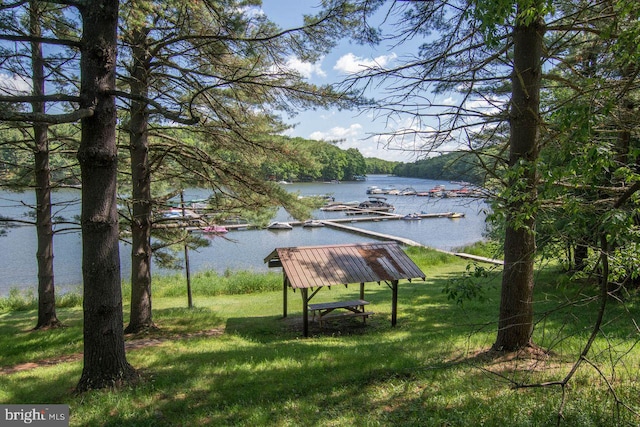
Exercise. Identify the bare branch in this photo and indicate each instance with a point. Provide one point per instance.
(11, 116)
(635, 187)
(58, 97)
(46, 40)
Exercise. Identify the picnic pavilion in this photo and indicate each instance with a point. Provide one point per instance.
(314, 267)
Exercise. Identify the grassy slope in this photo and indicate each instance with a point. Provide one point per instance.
(258, 370)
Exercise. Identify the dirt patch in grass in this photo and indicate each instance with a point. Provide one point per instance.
(133, 342)
(347, 326)
(529, 358)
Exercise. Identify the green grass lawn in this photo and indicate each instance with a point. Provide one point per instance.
(233, 360)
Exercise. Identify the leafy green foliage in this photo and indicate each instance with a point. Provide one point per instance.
(380, 166)
(472, 285)
(455, 166)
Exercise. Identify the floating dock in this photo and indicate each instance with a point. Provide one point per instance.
(339, 224)
(381, 236)
(334, 224)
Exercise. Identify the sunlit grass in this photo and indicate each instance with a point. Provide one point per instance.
(253, 368)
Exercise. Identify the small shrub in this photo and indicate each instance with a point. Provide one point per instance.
(488, 249)
(19, 301)
(70, 299)
(471, 285)
(425, 256)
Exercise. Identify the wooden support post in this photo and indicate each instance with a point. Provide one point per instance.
(305, 311)
(394, 302)
(364, 318)
(186, 256)
(285, 284)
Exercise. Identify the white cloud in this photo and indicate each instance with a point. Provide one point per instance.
(351, 64)
(14, 84)
(353, 137)
(338, 133)
(328, 115)
(449, 101)
(486, 105)
(306, 69)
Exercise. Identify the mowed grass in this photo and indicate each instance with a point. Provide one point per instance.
(234, 360)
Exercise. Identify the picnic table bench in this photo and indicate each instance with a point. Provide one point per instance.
(325, 310)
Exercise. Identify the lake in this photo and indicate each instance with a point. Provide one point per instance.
(246, 249)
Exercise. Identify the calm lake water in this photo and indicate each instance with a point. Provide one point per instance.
(248, 248)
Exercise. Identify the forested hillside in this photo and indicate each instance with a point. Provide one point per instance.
(309, 160)
(324, 161)
(456, 166)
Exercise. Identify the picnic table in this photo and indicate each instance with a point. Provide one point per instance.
(325, 311)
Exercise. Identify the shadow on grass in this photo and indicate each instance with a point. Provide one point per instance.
(261, 371)
(268, 329)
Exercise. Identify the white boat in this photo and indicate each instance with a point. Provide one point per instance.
(387, 188)
(374, 189)
(408, 192)
(412, 217)
(179, 213)
(312, 223)
(279, 226)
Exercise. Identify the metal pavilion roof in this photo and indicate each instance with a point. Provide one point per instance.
(316, 266)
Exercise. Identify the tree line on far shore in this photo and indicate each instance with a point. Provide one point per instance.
(314, 161)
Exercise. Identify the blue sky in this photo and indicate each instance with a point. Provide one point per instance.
(352, 126)
(356, 128)
(364, 130)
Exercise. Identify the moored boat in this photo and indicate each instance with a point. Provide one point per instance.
(215, 229)
(412, 217)
(375, 203)
(408, 192)
(276, 225)
(374, 189)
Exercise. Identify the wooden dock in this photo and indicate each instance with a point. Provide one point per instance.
(339, 224)
(332, 223)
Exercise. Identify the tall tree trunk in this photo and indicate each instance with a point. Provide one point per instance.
(105, 362)
(141, 315)
(515, 325)
(47, 317)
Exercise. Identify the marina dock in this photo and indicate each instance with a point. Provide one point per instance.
(408, 242)
(340, 224)
(381, 236)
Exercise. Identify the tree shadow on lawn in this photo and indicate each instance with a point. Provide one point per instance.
(274, 366)
(235, 383)
(274, 328)
(422, 308)
(268, 329)
(265, 365)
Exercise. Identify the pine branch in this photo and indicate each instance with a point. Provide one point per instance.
(12, 116)
(160, 109)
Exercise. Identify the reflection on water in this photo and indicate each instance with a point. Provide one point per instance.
(247, 249)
